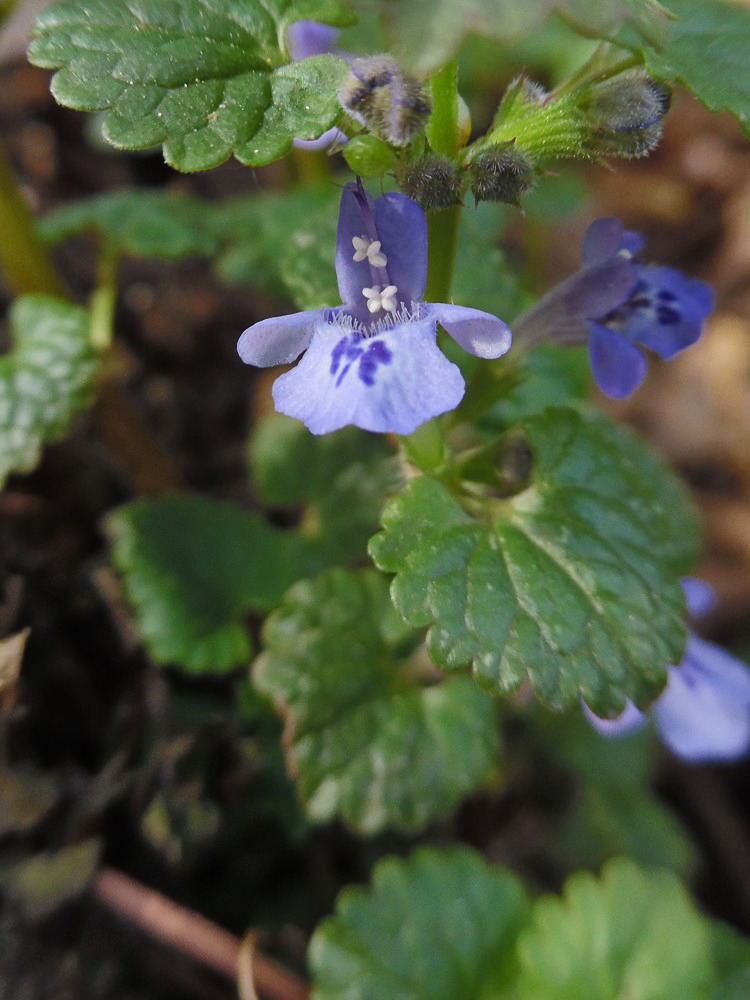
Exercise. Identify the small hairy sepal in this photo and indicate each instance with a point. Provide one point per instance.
(501, 174)
(626, 114)
(434, 182)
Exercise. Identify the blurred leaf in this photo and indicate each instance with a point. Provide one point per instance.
(205, 79)
(630, 933)
(615, 810)
(731, 954)
(43, 883)
(284, 242)
(45, 380)
(441, 925)
(707, 52)
(139, 223)
(192, 569)
(548, 376)
(483, 277)
(366, 738)
(571, 582)
(430, 32)
(341, 479)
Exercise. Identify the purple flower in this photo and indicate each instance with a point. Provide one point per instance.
(615, 304)
(703, 714)
(373, 361)
(310, 38)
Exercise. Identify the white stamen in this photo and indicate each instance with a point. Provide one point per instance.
(625, 253)
(377, 299)
(371, 250)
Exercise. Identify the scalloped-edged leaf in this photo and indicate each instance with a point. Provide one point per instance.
(441, 925)
(572, 582)
(340, 479)
(139, 223)
(284, 242)
(203, 78)
(192, 568)
(707, 52)
(47, 377)
(630, 933)
(365, 738)
(429, 32)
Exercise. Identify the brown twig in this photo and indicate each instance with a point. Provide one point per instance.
(192, 934)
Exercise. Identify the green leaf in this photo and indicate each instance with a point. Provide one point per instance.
(45, 380)
(340, 479)
(365, 737)
(206, 79)
(731, 954)
(192, 569)
(483, 277)
(441, 925)
(707, 52)
(430, 32)
(139, 223)
(614, 810)
(572, 582)
(631, 934)
(283, 242)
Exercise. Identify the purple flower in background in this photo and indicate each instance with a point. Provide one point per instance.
(703, 714)
(373, 361)
(305, 39)
(615, 304)
(310, 38)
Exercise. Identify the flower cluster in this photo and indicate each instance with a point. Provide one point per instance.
(703, 713)
(614, 305)
(373, 361)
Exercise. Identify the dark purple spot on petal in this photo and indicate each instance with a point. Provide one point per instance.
(337, 353)
(664, 295)
(375, 354)
(667, 316)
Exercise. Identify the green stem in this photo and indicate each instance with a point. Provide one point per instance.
(23, 258)
(442, 128)
(102, 304)
(426, 446)
(442, 234)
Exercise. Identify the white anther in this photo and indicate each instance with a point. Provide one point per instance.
(377, 299)
(371, 250)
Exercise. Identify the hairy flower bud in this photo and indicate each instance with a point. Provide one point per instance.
(433, 182)
(626, 114)
(378, 94)
(502, 173)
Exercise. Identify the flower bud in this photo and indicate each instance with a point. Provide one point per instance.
(391, 104)
(502, 173)
(433, 182)
(626, 114)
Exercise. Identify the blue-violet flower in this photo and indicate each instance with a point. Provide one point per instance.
(703, 714)
(615, 304)
(373, 361)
